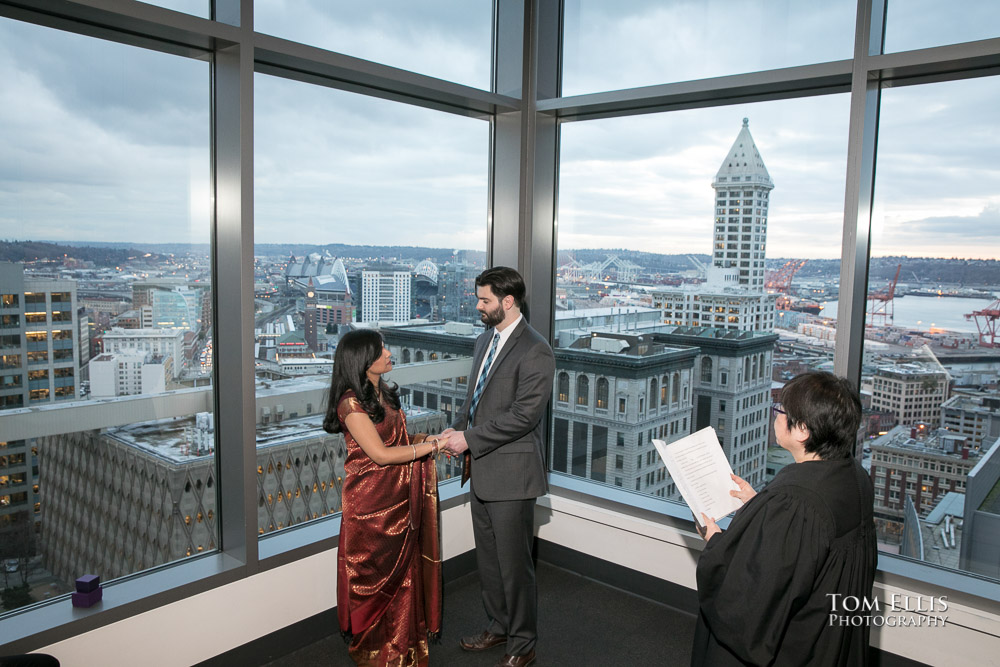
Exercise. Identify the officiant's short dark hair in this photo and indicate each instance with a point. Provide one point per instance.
(504, 281)
(827, 405)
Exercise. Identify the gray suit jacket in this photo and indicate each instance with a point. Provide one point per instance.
(505, 437)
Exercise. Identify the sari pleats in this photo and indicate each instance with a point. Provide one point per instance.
(388, 557)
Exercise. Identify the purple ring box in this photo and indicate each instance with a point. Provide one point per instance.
(88, 591)
(88, 582)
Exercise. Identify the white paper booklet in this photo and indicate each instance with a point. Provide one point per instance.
(701, 472)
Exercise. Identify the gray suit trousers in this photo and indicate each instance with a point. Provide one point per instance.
(504, 533)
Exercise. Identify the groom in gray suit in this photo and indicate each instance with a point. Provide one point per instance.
(500, 433)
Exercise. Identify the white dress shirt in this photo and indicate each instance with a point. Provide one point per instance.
(504, 336)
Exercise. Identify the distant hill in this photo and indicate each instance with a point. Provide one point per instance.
(32, 251)
(955, 271)
(373, 252)
(952, 271)
(438, 255)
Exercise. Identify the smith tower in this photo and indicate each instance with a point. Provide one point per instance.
(742, 187)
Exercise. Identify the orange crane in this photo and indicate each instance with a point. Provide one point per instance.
(880, 303)
(780, 282)
(988, 327)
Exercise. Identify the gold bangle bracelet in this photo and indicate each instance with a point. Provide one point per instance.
(414, 448)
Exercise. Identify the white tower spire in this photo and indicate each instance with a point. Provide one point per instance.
(742, 190)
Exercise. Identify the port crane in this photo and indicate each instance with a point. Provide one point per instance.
(880, 303)
(781, 280)
(986, 323)
(699, 265)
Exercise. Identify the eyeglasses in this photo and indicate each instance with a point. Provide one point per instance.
(776, 409)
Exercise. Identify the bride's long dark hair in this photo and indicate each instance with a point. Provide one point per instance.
(355, 354)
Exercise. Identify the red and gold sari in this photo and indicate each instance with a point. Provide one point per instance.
(388, 556)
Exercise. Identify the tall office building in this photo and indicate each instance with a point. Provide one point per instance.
(385, 295)
(456, 296)
(166, 343)
(922, 463)
(975, 415)
(309, 318)
(127, 498)
(732, 391)
(742, 189)
(129, 374)
(39, 339)
(732, 296)
(179, 308)
(912, 391)
(172, 303)
(713, 304)
(615, 392)
(327, 278)
(980, 550)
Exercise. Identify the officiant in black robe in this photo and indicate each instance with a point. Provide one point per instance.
(786, 583)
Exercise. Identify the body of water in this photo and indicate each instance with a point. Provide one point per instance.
(924, 312)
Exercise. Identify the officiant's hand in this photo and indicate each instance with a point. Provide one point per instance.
(745, 492)
(707, 527)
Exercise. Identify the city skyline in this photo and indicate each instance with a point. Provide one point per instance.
(162, 405)
(334, 166)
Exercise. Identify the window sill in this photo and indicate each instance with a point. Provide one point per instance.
(57, 619)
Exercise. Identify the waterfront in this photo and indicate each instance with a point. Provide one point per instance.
(924, 312)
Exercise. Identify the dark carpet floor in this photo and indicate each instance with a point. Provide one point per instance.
(581, 623)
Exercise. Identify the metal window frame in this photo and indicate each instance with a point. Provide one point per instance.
(525, 111)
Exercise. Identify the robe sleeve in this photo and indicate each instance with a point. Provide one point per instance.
(755, 576)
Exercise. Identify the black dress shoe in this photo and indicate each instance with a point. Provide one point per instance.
(517, 660)
(482, 641)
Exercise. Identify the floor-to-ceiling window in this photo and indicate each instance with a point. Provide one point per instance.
(931, 339)
(695, 249)
(105, 212)
(683, 292)
(367, 213)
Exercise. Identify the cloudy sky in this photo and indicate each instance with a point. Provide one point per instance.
(100, 141)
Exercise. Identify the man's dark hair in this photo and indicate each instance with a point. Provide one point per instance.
(505, 281)
(829, 407)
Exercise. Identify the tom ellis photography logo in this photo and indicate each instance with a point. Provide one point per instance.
(898, 611)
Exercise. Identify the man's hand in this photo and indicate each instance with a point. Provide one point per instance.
(455, 441)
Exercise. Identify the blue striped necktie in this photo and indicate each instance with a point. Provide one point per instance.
(481, 382)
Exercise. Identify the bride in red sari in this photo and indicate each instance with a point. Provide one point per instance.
(388, 556)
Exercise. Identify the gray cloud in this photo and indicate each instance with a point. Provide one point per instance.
(973, 236)
(440, 38)
(102, 141)
(611, 46)
(649, 177)
(336, 167)
(917, 24)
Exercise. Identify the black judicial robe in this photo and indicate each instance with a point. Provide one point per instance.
(763, 584)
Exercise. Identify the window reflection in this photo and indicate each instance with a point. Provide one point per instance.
(931, 356)
(445, 40)
(389, 222)
(99, 243)
(690, 316)
(611, 46)
(919, 24)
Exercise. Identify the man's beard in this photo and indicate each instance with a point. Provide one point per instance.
(491, 318)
